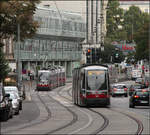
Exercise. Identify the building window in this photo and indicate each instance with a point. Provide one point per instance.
(146, 10)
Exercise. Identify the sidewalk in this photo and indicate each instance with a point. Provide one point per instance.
(69, 80)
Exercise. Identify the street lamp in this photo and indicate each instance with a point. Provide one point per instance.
(18, 57)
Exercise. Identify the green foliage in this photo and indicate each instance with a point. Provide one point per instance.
(142, 40)
(4, 69)
(135, 26)
(131, 58)
(107, 53)
(114, 21)
(133, 20)
(14, 12)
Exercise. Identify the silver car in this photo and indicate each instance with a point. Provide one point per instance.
(119, 89)
(15, 102)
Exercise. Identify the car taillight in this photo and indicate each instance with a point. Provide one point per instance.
(115, 89)
(132, 89)
(144, 90)
(136, 96)
(3, 104)
(125, 89)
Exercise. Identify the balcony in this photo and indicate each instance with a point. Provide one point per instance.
(49, 55)
(63, 33)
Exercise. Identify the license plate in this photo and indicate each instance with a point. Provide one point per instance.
(97, 95)
(144, 101)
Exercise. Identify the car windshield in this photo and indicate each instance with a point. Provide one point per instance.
(10, 89)
(137, 86)
(142, 93)
(13, 93)
(13, 96)
(43, 76)
(96, 80)
(120, 86)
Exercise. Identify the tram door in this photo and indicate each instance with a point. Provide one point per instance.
(82, 87)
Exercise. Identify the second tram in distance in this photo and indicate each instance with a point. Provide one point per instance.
(51, 78)
(91, 85)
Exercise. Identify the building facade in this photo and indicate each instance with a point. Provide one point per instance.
(57, 42)
(142, 4)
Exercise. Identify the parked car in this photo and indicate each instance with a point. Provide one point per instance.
(6, 111)
(139, 80)
(134, 87)
(139, 98)
(136, 74)
(15, 102)
(119, 89)
(14, 89)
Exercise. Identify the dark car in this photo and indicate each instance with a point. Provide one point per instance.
(139, 98)
(134, 87)
(6, 110)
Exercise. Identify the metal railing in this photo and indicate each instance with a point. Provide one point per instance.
(49, 55)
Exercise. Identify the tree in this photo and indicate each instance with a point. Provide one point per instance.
(4, 69)
(13, 13)
(133, 20)
(142, 41)
(137, 26)
(115, 20)
(17, 12)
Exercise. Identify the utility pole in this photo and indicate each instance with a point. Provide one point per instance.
(87, 23)
(18, 57)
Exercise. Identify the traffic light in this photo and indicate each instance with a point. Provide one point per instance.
(88, 55)
(92, 55)
(116, 55)
(116, 58)
(95, 55)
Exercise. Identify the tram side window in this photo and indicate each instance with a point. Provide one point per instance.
(83, 80)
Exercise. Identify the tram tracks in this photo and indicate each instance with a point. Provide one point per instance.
(106, 120)
(75, 118)
(140, 126)
(138, 122)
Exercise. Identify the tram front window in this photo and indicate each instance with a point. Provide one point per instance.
(43, 77)
(96, 80)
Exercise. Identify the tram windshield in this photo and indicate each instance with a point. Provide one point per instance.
(43, 76)
(96, 80)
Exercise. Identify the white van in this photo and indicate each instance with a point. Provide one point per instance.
(136, 74)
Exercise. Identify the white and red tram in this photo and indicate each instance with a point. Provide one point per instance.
(90, 85)
(51, 78)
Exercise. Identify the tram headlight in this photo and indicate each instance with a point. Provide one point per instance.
(84, 95)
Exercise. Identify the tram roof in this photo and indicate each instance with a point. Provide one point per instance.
(94, 66)
(43, 70)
